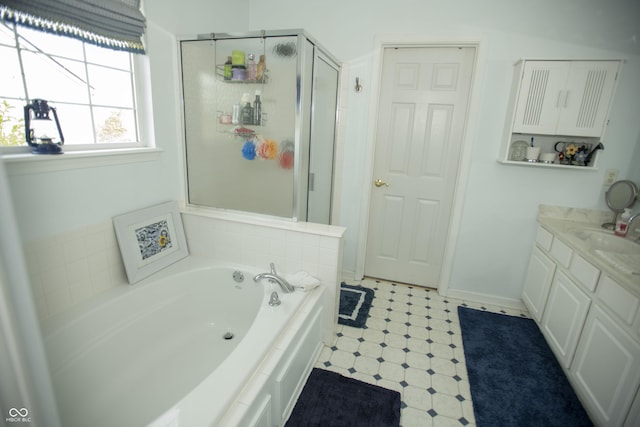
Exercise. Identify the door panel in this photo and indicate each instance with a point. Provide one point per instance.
(393, 208)
(421, 118)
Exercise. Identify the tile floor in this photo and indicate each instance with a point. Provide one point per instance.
(412, 344)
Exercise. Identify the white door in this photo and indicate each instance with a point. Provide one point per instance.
(421, 119)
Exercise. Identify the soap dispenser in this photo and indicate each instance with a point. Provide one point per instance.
(622, 223)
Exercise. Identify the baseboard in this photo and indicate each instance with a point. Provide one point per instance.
(515, 304)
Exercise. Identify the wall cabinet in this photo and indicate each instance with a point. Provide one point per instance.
(565, 97)
(592, 324)
(559, 101)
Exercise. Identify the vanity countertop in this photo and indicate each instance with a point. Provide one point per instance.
(580, 229)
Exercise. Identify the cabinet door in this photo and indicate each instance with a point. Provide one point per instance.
(586, 100)
(606, 370)
(537, 283)
(564, 317)
(541, 96)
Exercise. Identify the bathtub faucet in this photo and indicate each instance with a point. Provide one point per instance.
(273, 277)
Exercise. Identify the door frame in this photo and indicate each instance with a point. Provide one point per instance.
(380, 43)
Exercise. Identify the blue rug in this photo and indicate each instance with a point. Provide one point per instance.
(355, 302)
(515, 378)
(330, 400)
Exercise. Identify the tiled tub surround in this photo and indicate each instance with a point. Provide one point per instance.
(76, 269)
(412, 344)
(70, 268)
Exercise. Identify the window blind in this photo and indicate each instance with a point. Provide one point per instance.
(116, 24)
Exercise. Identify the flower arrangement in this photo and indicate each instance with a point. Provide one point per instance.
(574, 154)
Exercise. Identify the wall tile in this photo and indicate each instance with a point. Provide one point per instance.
(71, 267)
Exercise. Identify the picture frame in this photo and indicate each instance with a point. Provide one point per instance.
(150, 239)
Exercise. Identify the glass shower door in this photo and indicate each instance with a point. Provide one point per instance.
(235, 159)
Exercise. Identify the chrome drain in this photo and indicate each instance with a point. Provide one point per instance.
(238, 276)
(228, 336)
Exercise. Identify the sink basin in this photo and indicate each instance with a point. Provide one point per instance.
(605, 241)
(621, 253)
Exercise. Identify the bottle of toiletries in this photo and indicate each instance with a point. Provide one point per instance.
(247, 114)
(251, 68)
(261, 68)
(257, 109)
(227, 69)
(236, 112)
(622, 223)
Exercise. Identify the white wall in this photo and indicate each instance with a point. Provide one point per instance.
(51, 203)
(498, 221)
(497, 225)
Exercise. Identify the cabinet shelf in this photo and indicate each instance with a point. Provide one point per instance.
(547, 165)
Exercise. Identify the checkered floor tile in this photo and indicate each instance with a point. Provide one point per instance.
(411, 343)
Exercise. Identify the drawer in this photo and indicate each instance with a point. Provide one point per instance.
(620, 302)
(561, 252)
(544, 239)
(585, 273)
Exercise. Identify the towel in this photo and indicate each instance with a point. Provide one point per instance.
(303, 280)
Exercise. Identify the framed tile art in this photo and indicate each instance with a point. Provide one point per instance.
(150, 239)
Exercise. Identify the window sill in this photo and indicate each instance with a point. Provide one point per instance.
(27, 163)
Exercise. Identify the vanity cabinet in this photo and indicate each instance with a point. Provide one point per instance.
(537, 283)
(564, 316)
(559, 101)
(592, 324)
(606, 370)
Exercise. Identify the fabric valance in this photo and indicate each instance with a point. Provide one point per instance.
(116, 24)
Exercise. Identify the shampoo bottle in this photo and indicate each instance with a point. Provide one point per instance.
(252, 69)
(257, 109)
(227, 69)
(260, 69)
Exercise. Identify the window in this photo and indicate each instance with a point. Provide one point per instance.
(92, 88)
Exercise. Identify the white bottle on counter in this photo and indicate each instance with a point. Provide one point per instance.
(623, 223)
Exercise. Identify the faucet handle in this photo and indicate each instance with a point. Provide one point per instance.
(273, 269)
(274, 300)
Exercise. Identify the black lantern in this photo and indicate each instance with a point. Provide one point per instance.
(40, 130)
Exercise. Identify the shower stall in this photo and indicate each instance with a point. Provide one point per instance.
(259, 118)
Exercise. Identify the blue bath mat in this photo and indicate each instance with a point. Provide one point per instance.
(330, 400)
(515, 379)
(355, 302)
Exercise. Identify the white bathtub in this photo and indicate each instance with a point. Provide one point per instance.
(156, 353)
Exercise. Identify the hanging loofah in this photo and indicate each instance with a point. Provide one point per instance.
(249, 150)
(269, 149)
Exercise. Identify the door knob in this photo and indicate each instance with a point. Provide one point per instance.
(380, 183)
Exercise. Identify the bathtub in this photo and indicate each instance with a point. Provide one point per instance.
(189, 346)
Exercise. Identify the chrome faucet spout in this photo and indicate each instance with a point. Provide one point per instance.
(633, 230)
(286, 287)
